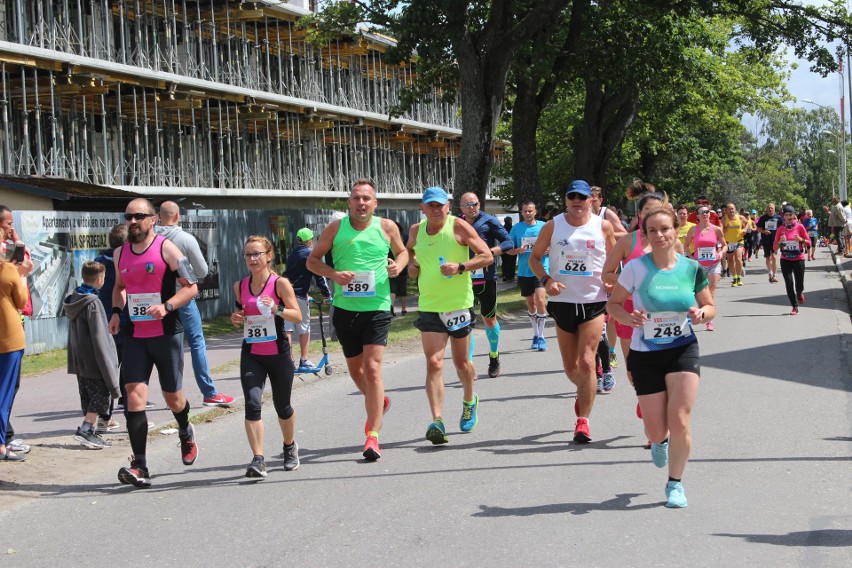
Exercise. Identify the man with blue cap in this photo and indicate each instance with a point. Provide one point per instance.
(440, 248)
(578, 243)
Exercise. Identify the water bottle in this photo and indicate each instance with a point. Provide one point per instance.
(443, 261)
(264, 309)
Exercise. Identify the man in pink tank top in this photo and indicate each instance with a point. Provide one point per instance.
(148, 269)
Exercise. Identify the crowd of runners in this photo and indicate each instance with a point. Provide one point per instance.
(594, 276)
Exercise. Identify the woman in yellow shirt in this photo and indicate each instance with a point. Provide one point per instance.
(683, 227)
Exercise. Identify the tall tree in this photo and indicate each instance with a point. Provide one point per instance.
(468, 44)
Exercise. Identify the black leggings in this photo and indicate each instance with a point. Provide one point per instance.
(793, 269)
(253, 372)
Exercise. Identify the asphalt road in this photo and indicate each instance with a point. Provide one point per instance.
(768, 483)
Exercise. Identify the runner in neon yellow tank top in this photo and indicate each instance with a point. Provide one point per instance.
(359, 245)
(440, 246)
(734, 225)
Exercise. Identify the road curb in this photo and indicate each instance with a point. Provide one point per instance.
(844, 279)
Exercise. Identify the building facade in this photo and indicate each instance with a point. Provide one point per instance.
(221, 102)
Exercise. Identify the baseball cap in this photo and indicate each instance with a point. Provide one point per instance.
(754, 211)
(789, 209)
(579, 186)
(305, 234)
(435, 195)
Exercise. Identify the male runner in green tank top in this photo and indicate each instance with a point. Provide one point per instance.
(359, 245)
(440, 247)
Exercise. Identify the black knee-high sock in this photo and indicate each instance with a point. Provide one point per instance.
(182, 418)
(603, 353)
(137, 430)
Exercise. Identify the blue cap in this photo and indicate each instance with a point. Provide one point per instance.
(754, 211)
(436, 195)
(579, 186)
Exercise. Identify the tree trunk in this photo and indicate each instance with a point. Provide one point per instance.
(525, 116)
(607, 115)
(484, 57)
(482, 103)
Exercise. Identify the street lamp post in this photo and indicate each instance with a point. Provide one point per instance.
(842, 139)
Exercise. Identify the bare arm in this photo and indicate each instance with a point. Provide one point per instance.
(315, 263)
(467, 236)
(706, 310)
(400, 260)
(615, 308)
(238, 317)
(617, 228)
(609, 275)
(290, 311)
(413, 266)
(188, 290)
(119, 297)
(690, 234)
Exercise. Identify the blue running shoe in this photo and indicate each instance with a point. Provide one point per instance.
(534, 345)
(660, 454)
(608, 381)
(436, 433)
(470, 416)
(542, 344)
(675, 496)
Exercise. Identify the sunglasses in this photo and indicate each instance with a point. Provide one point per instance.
(471, 204)
(574, 195)
(137, 216)
(254, 255)
(704, 212)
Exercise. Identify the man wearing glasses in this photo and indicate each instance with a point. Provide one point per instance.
(578, 243)
(149, 268)
(484, 280)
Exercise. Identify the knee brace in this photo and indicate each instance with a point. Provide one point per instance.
(286, 412)
(252, 412)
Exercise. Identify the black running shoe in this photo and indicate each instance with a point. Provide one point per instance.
(493, 365)
(291, 457)
(257, 467)
(134, 475)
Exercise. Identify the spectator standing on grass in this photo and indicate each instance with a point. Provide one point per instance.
(190, 317)
(300, 277)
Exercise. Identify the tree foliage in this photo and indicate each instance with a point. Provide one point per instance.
(604, 90)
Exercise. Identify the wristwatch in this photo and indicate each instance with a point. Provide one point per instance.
(169, 307)
(461, 267)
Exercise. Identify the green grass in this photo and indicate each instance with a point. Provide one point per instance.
(402, 330)
(57, 359)
(44, 362)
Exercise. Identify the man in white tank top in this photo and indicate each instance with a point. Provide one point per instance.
(578, 243)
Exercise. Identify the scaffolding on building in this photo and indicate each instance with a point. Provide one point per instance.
(207, 96)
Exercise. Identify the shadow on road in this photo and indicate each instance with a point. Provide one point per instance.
(825, 537)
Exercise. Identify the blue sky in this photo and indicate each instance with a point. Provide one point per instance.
(805, 84)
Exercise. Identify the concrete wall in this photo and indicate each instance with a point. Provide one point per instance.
(17, 201)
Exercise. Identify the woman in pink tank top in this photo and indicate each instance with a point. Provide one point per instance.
(264, 300)
(708, 240)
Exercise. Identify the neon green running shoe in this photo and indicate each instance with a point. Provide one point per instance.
(436, 433)
(470, 416)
